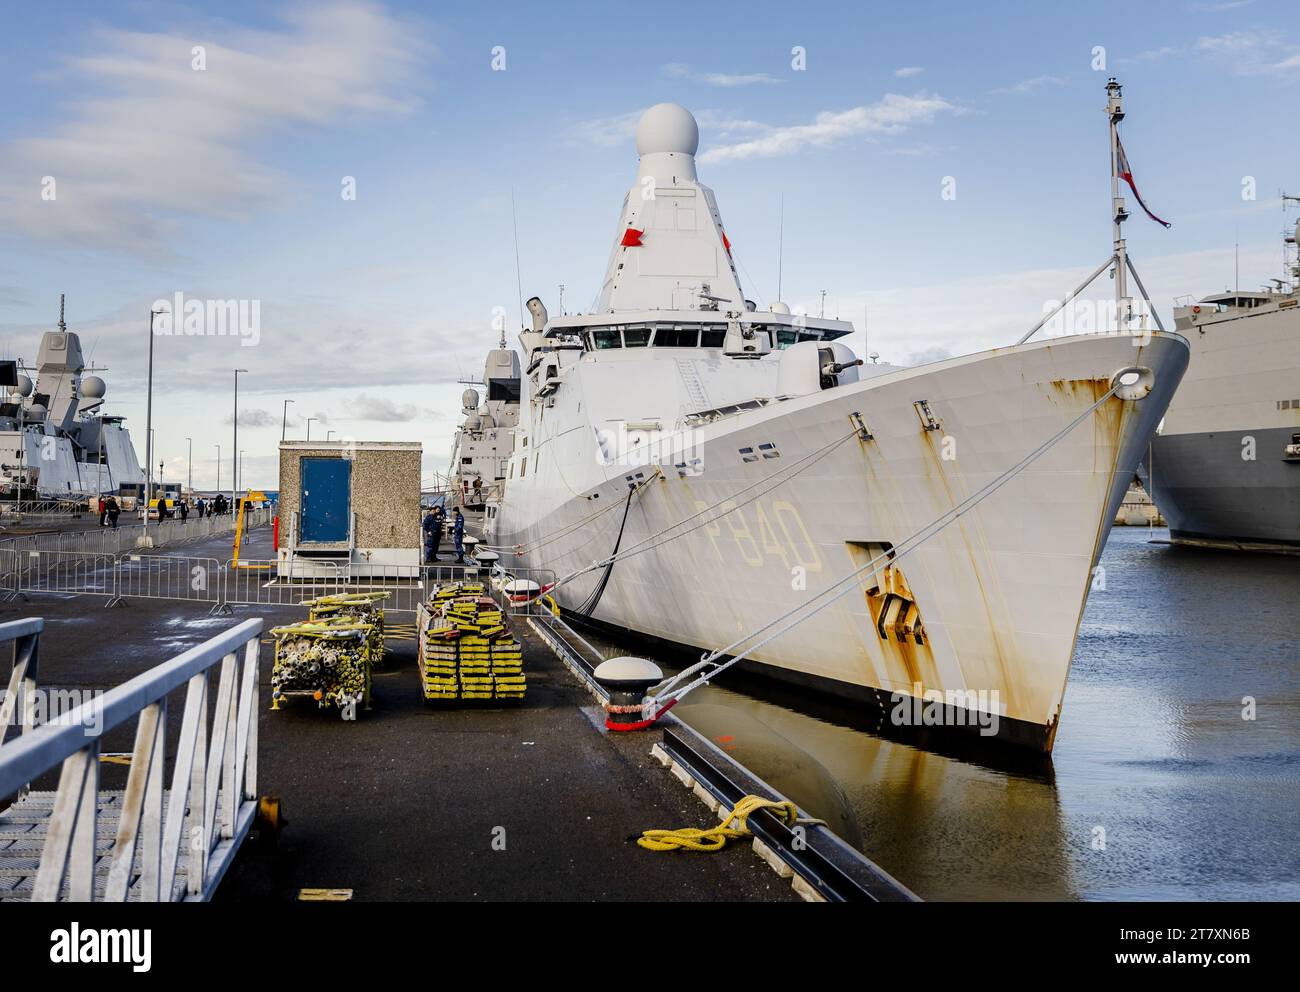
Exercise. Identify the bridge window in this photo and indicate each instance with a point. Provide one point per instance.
(606, 339)
(713, 338)
(636, 337)
(677, 337)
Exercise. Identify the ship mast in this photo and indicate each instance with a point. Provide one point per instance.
(1291, 268)
(1119, 263)
(1115, 113)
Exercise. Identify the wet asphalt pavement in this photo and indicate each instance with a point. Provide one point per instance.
(412, 802)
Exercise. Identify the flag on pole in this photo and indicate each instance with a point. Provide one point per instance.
(1126, 174)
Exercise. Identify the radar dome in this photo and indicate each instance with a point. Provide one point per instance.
(469, 399)
(667, 127)
(24, 387)
(779, 308)
(93, 387)
(36, 411)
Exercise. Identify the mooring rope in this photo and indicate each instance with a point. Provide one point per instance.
(906, 547)
(645, 543)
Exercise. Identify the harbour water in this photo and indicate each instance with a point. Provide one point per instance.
(1158, 788)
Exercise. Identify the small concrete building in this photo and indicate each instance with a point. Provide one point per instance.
(351, 503)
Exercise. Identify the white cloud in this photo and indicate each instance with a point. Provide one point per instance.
(1156, 54)
(382, 410)
(679, 70)
(925, 322)
(253, 418)
(1029, 85)
(154, 141)
(891, 114)
(615, 129)
(908, 71)
(1252, 53)
(1243, 53)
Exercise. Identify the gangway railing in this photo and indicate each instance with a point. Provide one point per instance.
(167, 844)
(20, 697)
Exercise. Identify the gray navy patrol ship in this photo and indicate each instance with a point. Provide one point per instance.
(1225, 466)
(56, 443)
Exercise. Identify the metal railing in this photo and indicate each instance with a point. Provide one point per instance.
(201, 818)
(20, 698)
(68, 572)
(175, 577)
(124, 537)
(259, 582)
(267, 583)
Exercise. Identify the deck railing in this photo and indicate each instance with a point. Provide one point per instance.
(213, 794)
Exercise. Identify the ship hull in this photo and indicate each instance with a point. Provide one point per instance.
(50, 469)
(1213, 497)
(979, 622)
(1218, 469)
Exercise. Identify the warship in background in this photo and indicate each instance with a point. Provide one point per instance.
(1225, 466)
(693, 467)
(484, 441)
(56, 443)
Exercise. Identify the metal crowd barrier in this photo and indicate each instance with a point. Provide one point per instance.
(136, 574)
(261, 582)
(167, 844)
(110, 540)
(67, 572)
(185, 578)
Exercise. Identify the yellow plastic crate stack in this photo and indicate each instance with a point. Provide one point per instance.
(466, 649)
(438, 657)
(508, 680)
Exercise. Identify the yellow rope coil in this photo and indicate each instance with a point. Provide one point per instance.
(715, 838)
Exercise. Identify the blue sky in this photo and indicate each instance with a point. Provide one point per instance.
(225, 183)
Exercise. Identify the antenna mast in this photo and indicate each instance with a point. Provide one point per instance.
(1115, 113)
(780, 248)
(62, 326)
(1120, 265)
(1293, 238)
(519, 281)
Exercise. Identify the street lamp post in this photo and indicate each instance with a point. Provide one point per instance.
(234, 450)
(309, 420)
(218, 447)
(145, 540)
(189, 480)
(284, 421)
(329, 435)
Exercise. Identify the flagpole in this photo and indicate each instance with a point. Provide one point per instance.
(1115, 111)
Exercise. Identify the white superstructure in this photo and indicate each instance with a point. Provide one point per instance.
(735, 461)
(55, 440)
(480, 452)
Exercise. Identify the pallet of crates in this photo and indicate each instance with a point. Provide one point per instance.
(328, 662)
(488, 660)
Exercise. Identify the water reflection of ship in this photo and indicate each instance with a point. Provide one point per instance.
(953, 829)
(957, 819)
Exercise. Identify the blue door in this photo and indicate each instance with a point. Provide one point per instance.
(326, 499)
